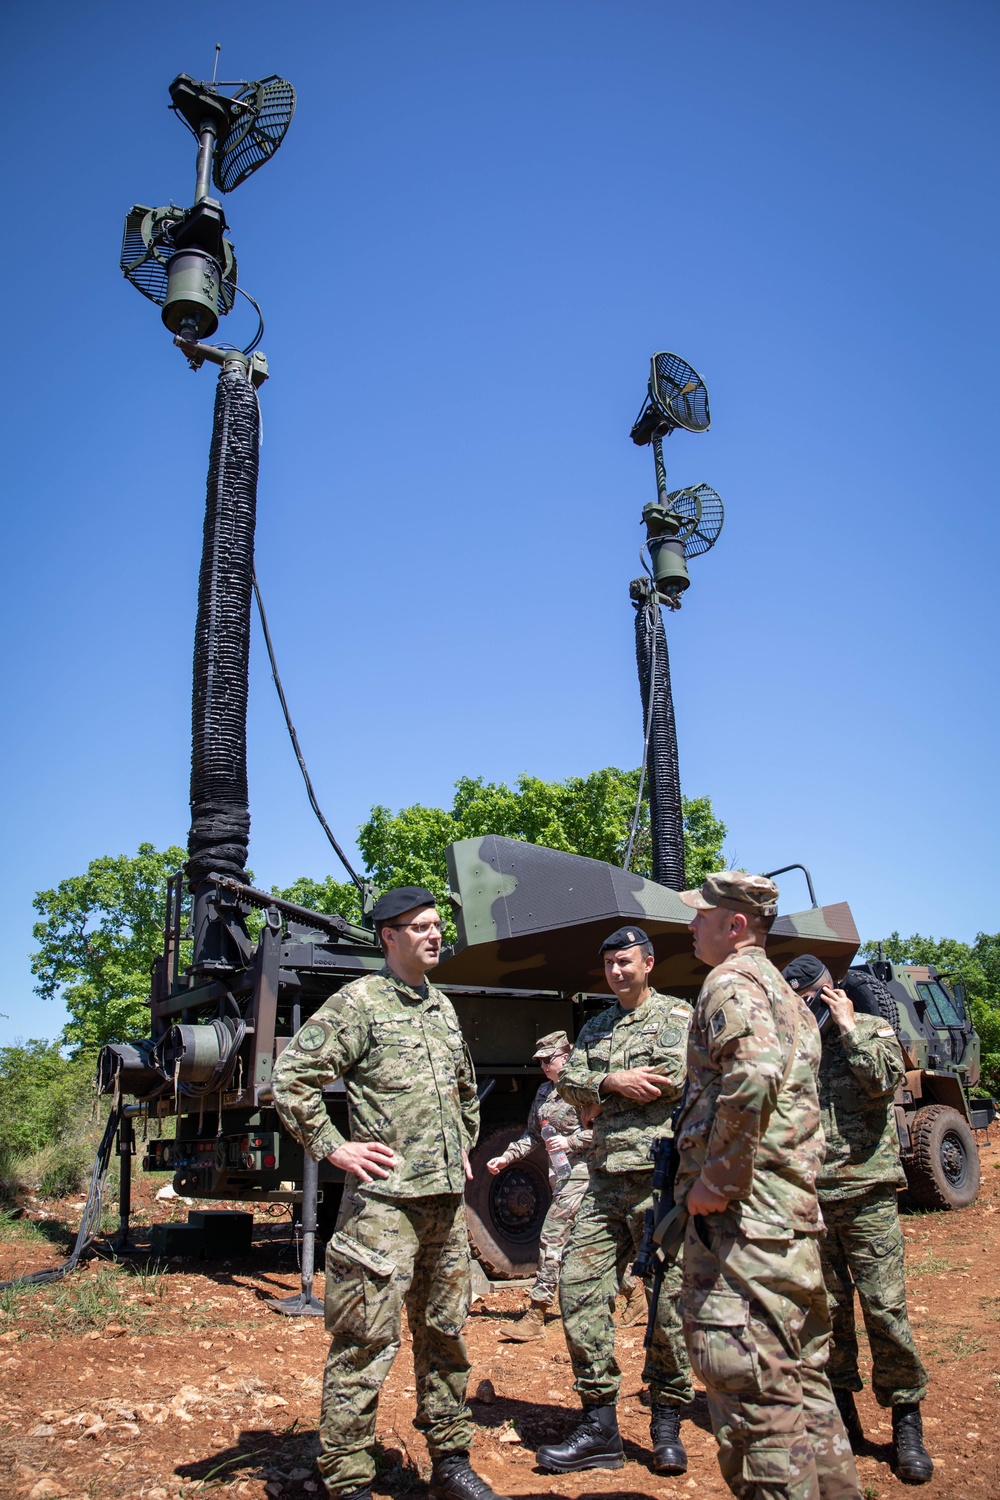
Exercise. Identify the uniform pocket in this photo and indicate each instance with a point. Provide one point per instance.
(722, 1352)
(765, 1463)
(358, 1284)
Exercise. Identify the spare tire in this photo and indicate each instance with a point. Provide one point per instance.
(942, 1170)
(505, 1213)
(870, 994)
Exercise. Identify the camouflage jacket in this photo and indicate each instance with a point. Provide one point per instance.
(859, 1072)
(407, 1074)
(654, 1035)
(548, 1109)
(752, 1139)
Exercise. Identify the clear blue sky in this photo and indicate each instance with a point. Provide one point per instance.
(484, 219)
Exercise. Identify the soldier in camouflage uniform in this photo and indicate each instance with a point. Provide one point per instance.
(859, 1071)
(401, 1236)
(626, 1072)
(554, 1124)
(751, 1145)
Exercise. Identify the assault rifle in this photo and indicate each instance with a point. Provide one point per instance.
(663, 1230)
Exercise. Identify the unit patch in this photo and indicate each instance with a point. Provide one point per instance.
(718, 1023)
(312, 1037)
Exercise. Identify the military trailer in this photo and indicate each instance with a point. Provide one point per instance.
(936, 1113)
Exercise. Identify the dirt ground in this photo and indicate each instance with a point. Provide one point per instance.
(178, 1380)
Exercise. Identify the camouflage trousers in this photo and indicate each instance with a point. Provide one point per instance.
(604, 1240)
(386, 1254)
(567, 1196)
(758, 1330)
(863, 1249)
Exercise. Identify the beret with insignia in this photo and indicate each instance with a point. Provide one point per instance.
(803, 972)
(623, 937)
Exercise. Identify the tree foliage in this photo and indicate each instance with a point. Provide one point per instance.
(98, 937)
(40, 1095)
(976, 965)
(588, 815)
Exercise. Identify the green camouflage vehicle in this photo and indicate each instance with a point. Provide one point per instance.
(936, 1114)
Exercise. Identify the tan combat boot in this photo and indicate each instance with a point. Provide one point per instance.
(634, 1310)
(530, 1325)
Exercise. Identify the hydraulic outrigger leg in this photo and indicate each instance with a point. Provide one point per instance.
(305, 1305)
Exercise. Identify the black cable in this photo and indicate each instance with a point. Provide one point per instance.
(90, 1223)
(295, 743)
(260, 325)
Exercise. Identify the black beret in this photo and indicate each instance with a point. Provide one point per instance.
(404, 898)
(805, 971)
(624, 937)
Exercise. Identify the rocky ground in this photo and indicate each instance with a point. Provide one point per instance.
(178, 1380)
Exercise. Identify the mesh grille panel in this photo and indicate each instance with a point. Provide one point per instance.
(680, 391)
(257, 131)
(147, 245)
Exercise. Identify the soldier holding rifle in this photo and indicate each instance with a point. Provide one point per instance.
(626, 1070)
(750, 1145)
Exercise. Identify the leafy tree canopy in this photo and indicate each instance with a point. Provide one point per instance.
(98, 937)
(976, 965)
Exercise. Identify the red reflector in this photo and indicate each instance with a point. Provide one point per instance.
(269, 1160)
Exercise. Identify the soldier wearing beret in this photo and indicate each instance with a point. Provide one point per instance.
(401, 1235)
(556, 1125)
(751, 1146)
(626, 1072)
(860, 1069)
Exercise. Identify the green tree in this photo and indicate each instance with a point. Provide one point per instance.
(98, 937)
(976, 965)
(334, 896)
(588, 815)
(40, 1095)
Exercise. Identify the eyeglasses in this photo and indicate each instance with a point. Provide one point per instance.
(419, 929)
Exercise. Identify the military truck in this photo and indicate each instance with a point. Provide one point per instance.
(937, 1115)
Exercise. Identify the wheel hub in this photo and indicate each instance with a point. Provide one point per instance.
(953, 1159)
(516, 1204)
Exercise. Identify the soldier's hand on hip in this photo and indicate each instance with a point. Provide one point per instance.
(365, 1159)
(703, 1199)
(643, 1084)
(841, 1007)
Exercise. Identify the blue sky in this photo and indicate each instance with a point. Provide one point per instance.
(484, 219)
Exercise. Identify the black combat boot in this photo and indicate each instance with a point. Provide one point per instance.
(595, 1444)
(364, 1493)
(453, 1478)
(665, 1431)
(913, 1462)
(849, 1417)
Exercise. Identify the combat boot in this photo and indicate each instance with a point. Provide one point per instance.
(635, 1304)
(849, 1417)
(530, 1325)
(665, 1433)
(913, 1462)
(453, 1478)
(595, 1444)
(364, 1493)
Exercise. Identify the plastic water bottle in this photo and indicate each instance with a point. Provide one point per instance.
(558, 1159)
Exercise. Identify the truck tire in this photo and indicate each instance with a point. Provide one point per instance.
(506, 1212)
(874, 990)
(943, 1168)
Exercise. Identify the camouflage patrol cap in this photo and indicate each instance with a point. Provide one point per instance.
(552, 1045)
(404, 898)
(623, 937)
(736, 891)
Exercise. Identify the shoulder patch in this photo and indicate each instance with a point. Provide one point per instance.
(312, 1037)
(719, 1022)
(683, 1011)
(727, 1022)
(885, 1031)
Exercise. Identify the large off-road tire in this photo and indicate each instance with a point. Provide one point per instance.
(876, 990)
(943, 1168)
(506, 1212)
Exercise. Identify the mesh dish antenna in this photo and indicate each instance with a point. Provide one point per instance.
(250, 124)
(677, 397)
(147, 245)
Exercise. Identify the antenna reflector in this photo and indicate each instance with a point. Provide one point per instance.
(261, 114)
(147, 246)
(679, 393)
(701, 511)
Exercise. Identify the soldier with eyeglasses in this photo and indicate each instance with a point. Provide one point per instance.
(401, 1236)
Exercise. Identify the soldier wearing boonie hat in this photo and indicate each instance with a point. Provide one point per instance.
(401, 1232)
(625, 1073)
(750, 1145)
(556, 1125)
(860, 1068)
